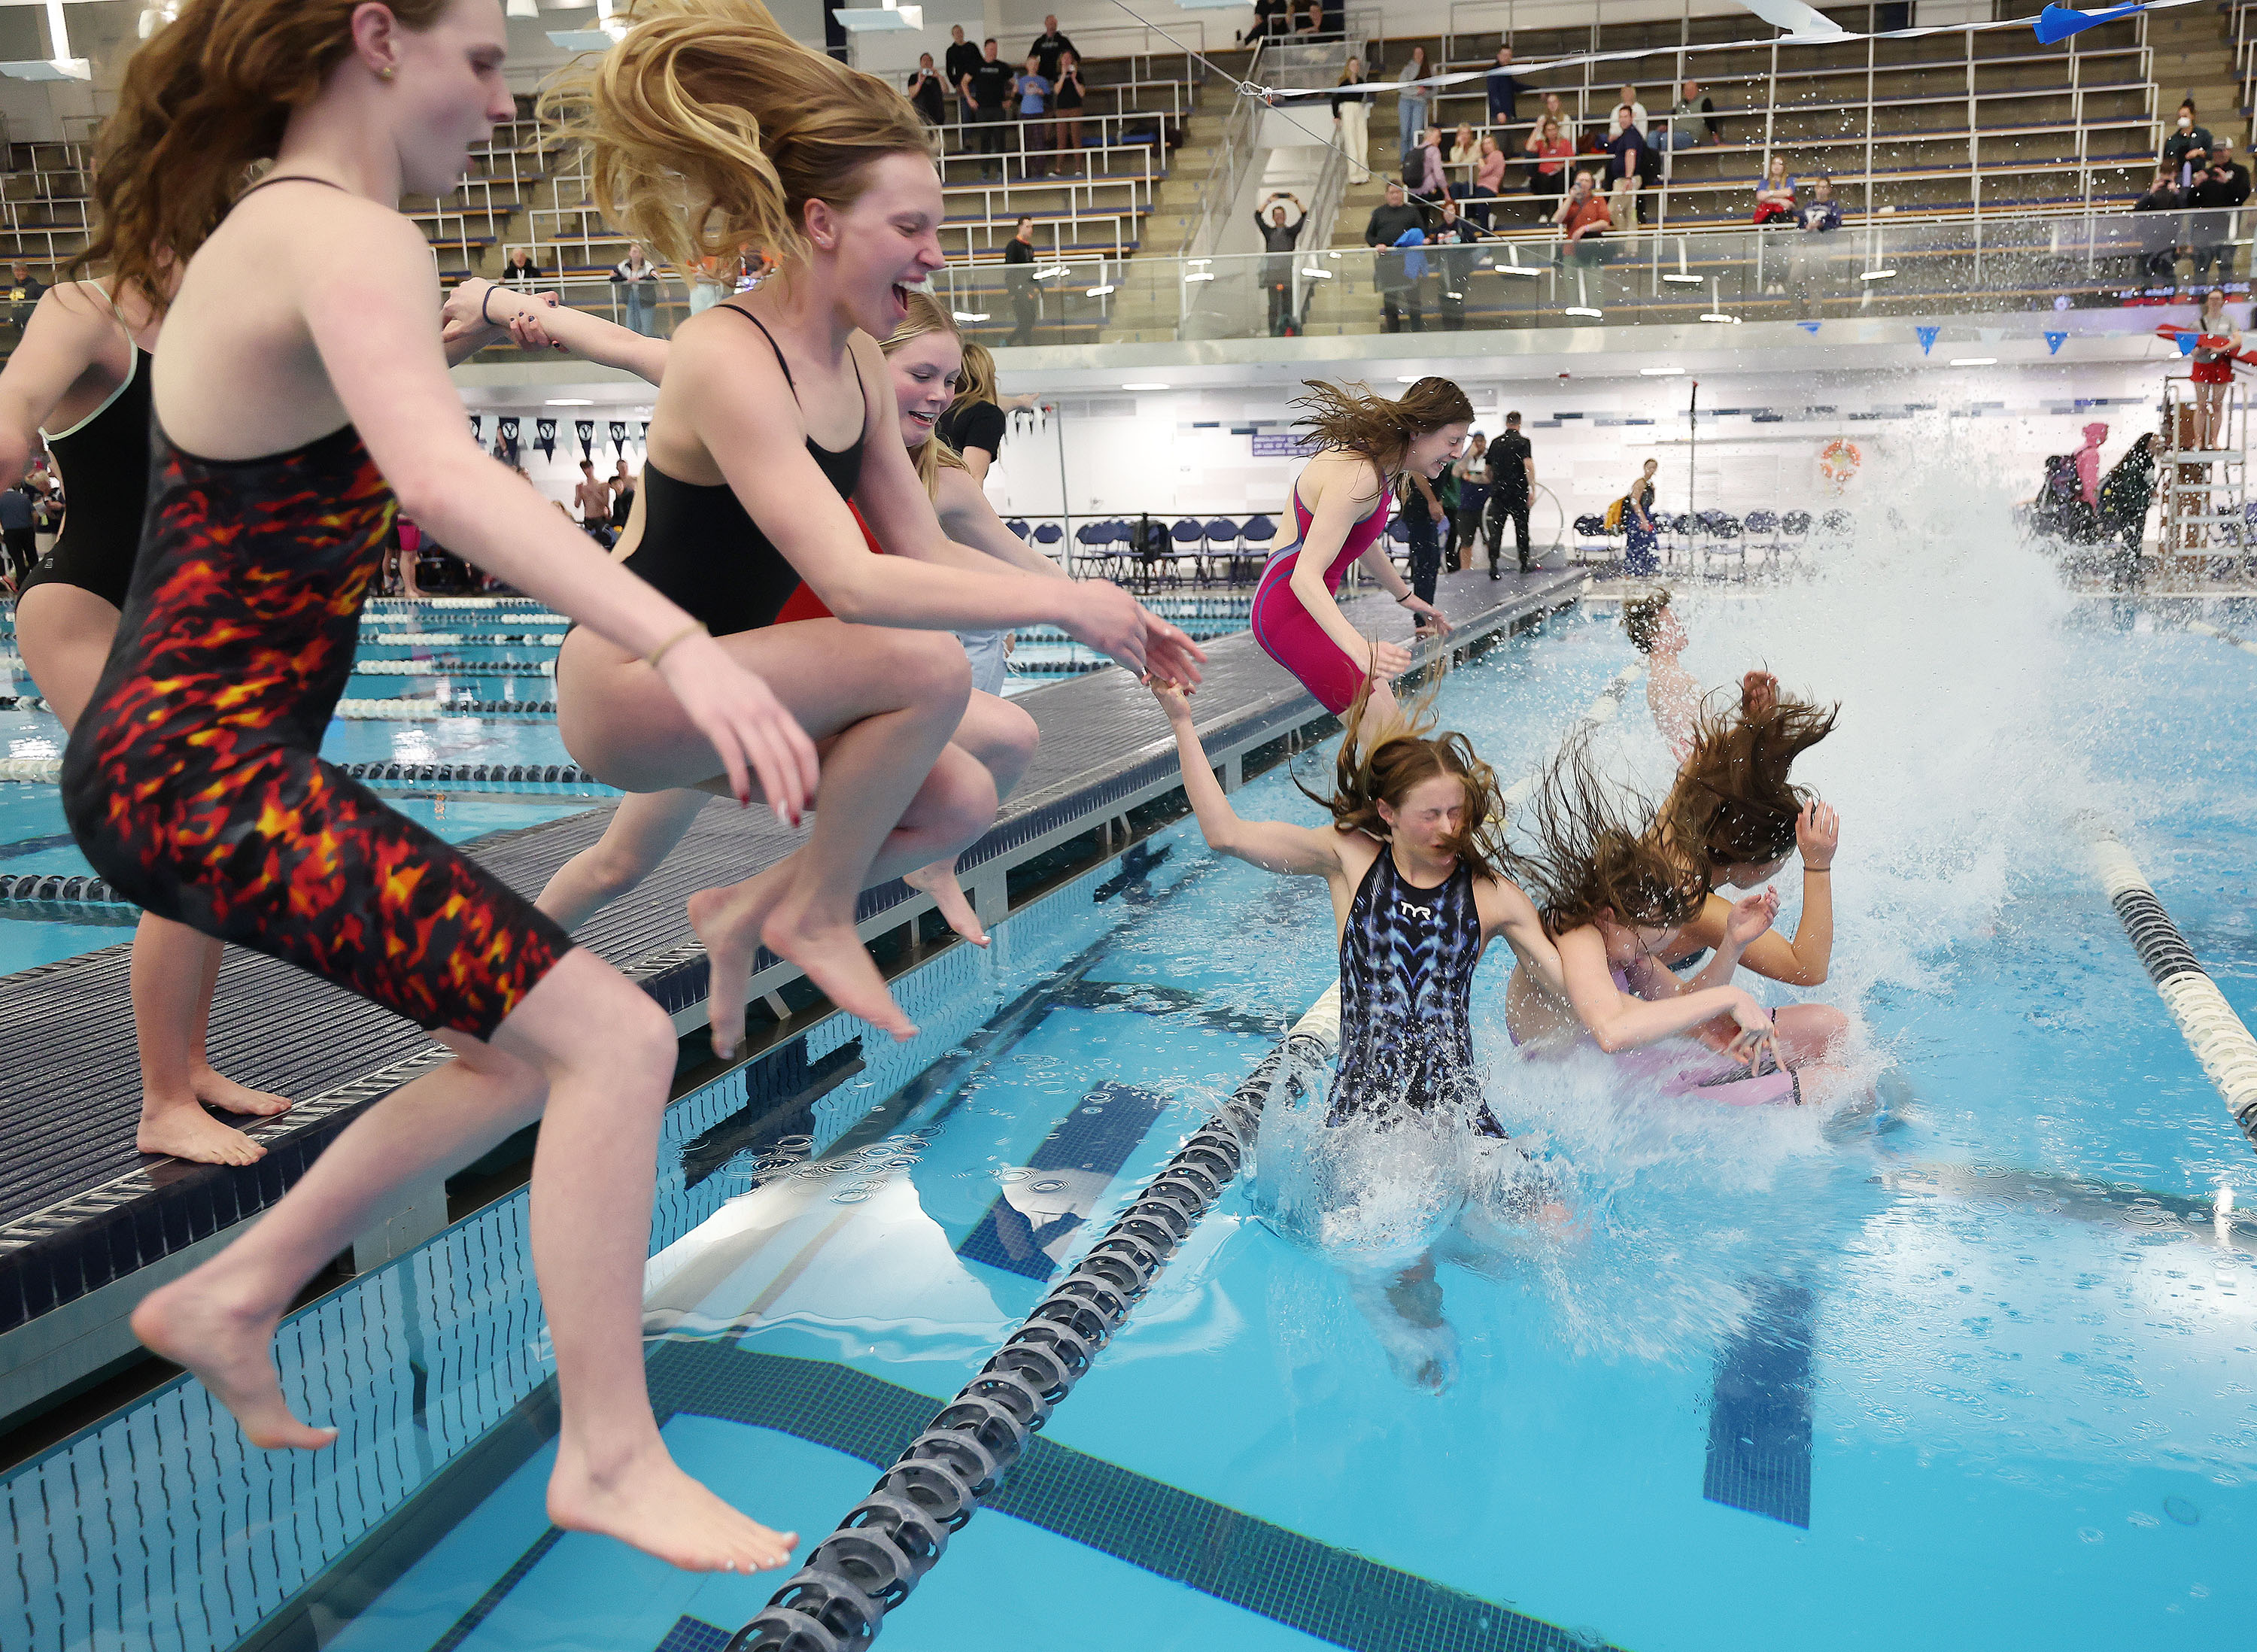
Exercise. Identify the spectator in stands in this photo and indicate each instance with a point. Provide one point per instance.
(23, 293)
(1820, 215)
(1775, 194)
(987, 100)
(1423, 169)
(974, 422)
(2159, 248)
(2187, 148)
(1391, 221)
(1455, 264)
(1504, 89)
(2162, 195)
(1584, 220)
(2219, 342)
(925, 95)
(2221, 186)
(1272, 20)
(957, 65)
(519, 269)
(1641, 535)
(1278, 239)
(593, 495)
(1050, 46)
(1552, 150)
(1691, 120)
(1489, 179)
(1458, 150)
(1308, 20)
(1352, 115)
(1626, 165)
(1552, 110)
(1067, 96)
(622, 484)
(1627, 98)
(1019, 281)
(637, 278)
(1414, 100)
(1030, 91)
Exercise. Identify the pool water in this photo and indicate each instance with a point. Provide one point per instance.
(1957, 1357)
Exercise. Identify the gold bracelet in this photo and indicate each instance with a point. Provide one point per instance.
(659, 652)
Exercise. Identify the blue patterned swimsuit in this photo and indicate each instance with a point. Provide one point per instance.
(1407, 961)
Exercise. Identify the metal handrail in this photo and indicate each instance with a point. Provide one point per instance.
(1225, 175)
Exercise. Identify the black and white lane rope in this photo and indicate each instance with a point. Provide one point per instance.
(887, 1543)
(2218, 1038)
(2209, 630)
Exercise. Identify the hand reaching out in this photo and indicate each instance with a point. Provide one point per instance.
(1818, 834)
(1751, 915)
(1173, 699)
(1388, 660)
(1758, 694)
(1430, 615)
(1170, 653)
(1756, 1036)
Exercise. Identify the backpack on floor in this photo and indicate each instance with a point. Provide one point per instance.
(1614, 516)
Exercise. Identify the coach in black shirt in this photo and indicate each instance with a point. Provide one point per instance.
(1512, 484)
(987, 105)
(1047, 46)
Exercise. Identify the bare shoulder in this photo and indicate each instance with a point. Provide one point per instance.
(1348, 474)
(1355, 852)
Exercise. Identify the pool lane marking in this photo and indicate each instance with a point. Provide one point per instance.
(1032, 1225)
(1759, 1410)
(2209, 630)
(2218, 1038)
(1596, 715)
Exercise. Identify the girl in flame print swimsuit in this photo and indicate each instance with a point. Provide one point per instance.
(194, 782)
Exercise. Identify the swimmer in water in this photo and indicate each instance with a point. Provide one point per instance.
(1671, 693)
(1420, 886)
(1365, 445)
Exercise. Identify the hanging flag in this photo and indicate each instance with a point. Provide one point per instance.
(2053, 342)
(544, 437)
(646, 436)
(586, 429)
(1927, 337)
(2058, 23)
(506, 439)
(1810, 327)
(618, 438)
(478, 430)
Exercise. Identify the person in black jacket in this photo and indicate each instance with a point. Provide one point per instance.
(1019, 277)
(1047, 46)
(2187, 148)
(2221, 186)
(1389, 222)
(986, 92)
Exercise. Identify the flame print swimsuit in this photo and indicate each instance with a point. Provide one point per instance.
(194, 782)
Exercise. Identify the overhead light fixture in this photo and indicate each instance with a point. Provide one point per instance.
(1581, 309)
(1582, 304)
(1050, 272)
(1974, 361)
(1513, 265)
(1662, 372)
(1316, 274)
(1717, 305)
(1103, 290)
(1877, 275)
(1719, 317)
(1408, 378)
(1199, 275)
(608, 32)
(1682, 276)
(1146, 386)
(1459, 296)
(568, 401)
(969, 315)
(879, 19)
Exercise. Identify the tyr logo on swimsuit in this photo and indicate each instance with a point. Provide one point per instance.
(1410, 911)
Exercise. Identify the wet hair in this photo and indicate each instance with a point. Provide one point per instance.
(709, 129)
(1350, 419)
(1732, 804)
(1597, 851)
(926, 315)
(1641, 618)
(203, 101)
(979, 381)
(1382, 759)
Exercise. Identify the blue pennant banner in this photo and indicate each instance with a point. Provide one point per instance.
(2053, 342)
(2058, 23)
(1927, 337)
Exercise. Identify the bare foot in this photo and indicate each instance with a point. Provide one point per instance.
(938, 880)
(653, 1506)
(728, 920)
(185, 1130)
(834, 958)
(229, 1348)
(215, 1090)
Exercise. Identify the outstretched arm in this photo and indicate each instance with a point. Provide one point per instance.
(1506, 910)
(535, 320)
(1618, 1021)
(1271, 845)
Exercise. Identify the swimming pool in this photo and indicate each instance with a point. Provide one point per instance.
(1965, 1367)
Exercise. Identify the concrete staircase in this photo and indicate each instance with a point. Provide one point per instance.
(2194, 57)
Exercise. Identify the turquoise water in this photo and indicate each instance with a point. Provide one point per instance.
(1961, 1366)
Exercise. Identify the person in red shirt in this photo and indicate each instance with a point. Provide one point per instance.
(1584, 217)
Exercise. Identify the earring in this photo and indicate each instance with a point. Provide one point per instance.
(385, 73)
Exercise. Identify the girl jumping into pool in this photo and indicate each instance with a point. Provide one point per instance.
(299, 396)
(923, 357)
(778, 414)
(1365, 444)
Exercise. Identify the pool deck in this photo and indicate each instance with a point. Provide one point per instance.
(88, 1224)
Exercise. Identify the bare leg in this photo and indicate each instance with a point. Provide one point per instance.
(890, 698)
(1002, 737)
(598, 1054)
(642, 832)
(407, 575)
(174, 971)
(1405, 1310)
(65, 635)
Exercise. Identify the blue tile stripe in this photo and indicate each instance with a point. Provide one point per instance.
(1032, 1223)
(1760, 1411)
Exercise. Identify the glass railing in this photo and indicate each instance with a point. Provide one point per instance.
(2032, 266)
